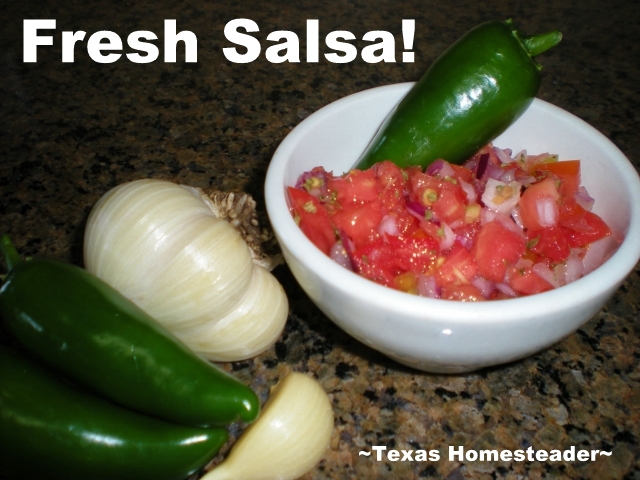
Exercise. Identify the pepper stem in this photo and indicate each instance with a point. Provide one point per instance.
(536, 44)
(11, 255)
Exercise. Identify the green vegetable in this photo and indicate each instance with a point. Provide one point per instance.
(469, 96)
(77, 324)
(50, 430)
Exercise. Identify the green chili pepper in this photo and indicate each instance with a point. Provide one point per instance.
(50, 430)
(469, 96)
(80, 326)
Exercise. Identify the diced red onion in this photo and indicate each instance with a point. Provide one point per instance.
(427, 286)
(469, 191)
(487, 216)
(317, 172)
(449, 238)
(509, 175)
(523, 263)
(509, 224)
(494, 171)
(440, 168)
(471, 164)
(506, 289)
(466, 239)
(416, 209)
(584, 199)
(572, 269)
(525, 180)
(491, 193)
(339, 255)
(485, 286)
(503, 155)
(349, 248)
(599, 251)
(517, 218)
(545, 273)
(547, 211)
(456, 224)
(483, 162)
(522, 154)
(388, 226)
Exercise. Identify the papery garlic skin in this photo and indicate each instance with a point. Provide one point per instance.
(288, 439)
(161, 245)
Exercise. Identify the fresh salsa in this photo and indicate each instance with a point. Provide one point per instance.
(499, 226)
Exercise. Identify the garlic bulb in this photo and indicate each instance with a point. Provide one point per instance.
(287, 440)
(163, 246)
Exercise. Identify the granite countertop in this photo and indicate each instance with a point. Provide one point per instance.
(71, 131)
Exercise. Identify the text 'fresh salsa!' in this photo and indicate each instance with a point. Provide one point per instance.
(500, 226)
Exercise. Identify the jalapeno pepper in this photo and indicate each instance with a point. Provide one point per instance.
(80, 326)
(469, 96)
(51, 430)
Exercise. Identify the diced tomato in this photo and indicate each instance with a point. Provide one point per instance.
(404, 225)
(377, 261)
(495, 249)
(549, 242)
(355, 188)
(568, 172)
(458, 268)
(389, 175)
(463, 293)
(433, 229)
(535, 200)
(451, 203)
(581, 227)
(462, 173)
(566, 167)
(525, 281)
(590, 229)
(359, 222)
(416, 252)
(425, 189)
(312, 218)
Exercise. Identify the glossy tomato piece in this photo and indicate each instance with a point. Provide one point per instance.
(567, 171)
(416, 253)
(355, 188)
(458, 268)
(462, 173)
(451, 203)
(377, 261)
(549, 242)
(539, 205)
(359, 222)
(589, 229)
(389, 175)
(425, 189)
(495, 249)
(526, 282)
(406, 223)
(312, 218)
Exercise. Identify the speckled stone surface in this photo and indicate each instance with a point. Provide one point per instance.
(69, 132)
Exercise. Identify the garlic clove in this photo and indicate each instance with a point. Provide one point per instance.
(249, 330)
(288, 439)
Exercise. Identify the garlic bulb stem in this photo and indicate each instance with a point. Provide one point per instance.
(288, 439)
(162, 246)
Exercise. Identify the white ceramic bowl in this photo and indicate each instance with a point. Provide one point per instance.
(441, 335)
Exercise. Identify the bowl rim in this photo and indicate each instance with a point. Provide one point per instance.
(616, 268)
